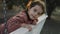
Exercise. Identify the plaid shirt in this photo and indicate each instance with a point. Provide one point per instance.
(16, 21)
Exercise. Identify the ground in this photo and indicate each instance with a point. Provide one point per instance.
(52, 26)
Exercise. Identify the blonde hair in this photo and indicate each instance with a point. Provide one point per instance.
(44, 5)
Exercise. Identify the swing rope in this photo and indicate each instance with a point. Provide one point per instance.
(5, 19)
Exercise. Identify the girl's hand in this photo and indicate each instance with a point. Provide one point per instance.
(35, 21)
(30, 28)
(26, 26)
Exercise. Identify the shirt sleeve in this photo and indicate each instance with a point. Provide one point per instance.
(2, 28)
(14, 23)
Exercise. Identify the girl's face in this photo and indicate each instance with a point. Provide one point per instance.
(35, 12)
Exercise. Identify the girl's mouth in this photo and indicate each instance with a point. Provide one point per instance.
(34, 17)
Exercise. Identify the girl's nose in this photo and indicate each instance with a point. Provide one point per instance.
(36, 16)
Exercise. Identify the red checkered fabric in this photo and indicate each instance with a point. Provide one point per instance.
(16, 21)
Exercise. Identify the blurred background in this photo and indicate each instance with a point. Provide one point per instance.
(52, 24)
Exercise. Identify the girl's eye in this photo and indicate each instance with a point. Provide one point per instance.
(35, 10)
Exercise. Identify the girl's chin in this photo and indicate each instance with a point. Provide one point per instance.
(33, 18)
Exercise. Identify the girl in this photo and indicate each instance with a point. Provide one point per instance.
(24, 18)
